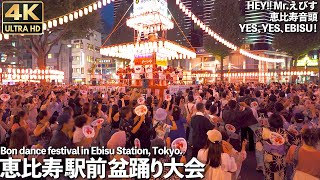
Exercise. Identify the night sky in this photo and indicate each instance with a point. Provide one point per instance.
(107, 18)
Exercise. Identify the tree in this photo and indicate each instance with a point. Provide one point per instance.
(225, 20)
(298, 44)
(79, 28)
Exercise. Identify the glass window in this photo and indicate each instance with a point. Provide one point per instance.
(49, 56)
(89, 59)
(76, 58)
(76, 46)
(90, 47)
(82, 70)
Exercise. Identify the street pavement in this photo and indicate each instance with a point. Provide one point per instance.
(248, 170)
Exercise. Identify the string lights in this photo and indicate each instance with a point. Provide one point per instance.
(165, 50)
(20, 75)
(256, 74)
(54, 22)
(98, 4)
(220, 39)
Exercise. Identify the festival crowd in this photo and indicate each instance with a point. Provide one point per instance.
(220, 123)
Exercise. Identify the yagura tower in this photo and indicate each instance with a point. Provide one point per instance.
(150, 20)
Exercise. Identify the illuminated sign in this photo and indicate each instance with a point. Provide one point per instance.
(307, 62)
(143, 61)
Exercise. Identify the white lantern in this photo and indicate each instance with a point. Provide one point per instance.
(71, 17)
(76, 15)
(86, 11)
(80, 13)
(90, 8)
(60, 20)
(55, 23)
(50, 24)
(65, 19)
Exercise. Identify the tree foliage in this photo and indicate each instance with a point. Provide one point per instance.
(298, 44)
(79, 28)
(225, 20)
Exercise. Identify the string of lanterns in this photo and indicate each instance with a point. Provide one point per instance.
(31, 74)
(150, 22)
(256, 74)
(169, 50)
(94, 6)
(220, 39)
(75, 14)
(54, 22)
(3, 36)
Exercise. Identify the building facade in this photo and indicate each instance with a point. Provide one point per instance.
(60, 58)
(85, 55)
(256, 40)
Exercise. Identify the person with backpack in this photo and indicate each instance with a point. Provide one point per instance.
(305, 158)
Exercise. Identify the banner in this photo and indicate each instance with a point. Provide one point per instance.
(143, 61)
(174, 89)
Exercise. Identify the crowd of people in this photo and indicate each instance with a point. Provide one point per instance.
(220, 122)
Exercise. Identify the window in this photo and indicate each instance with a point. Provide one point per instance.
(90, 47)
(49, 56)
(14, 44)
(82, 70)
(77, 46)
(76, 58)
(76, 70)
(89, 59)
